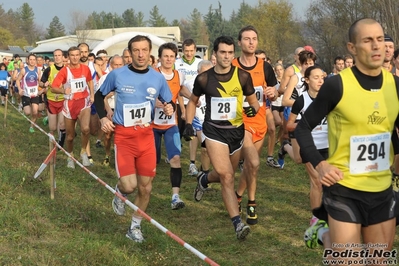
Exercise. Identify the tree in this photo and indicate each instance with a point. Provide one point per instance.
(79, 25)
(26, 22)
(197, 27)
(6, 38)
(389, 17)
(215, 24)
(140, 20)
(175, 23)
(156, 19)
(328, 21)
(55, 29)
(129, 18)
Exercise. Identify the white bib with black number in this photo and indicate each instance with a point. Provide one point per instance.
(369, 153)
(223, 108)
(3, 83)
(136, 114)
(258, 94)
(200, 111)
(162, 119)
(78, 85)
(33, 91)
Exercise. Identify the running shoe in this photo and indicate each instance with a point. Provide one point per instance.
(242, 231)
(106, 161)
(135, 234)
(70, 163)
(272, 162)
(281, 153)
(177, 203)
(310, 237)
(85, 159)
(98, 144)
(252, 217)
(31, 130)
(45, 121)
(199, 190)
(118, 205)
(192, 170)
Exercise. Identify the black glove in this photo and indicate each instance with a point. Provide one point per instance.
(188, 133)
(250, 111)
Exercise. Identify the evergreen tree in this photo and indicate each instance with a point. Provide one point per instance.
(156, 19)
(55, 29)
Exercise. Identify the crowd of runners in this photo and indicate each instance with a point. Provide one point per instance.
(341, 125)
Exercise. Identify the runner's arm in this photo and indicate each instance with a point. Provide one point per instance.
(328, 97)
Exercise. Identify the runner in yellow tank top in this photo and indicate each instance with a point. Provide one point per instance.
(361, 104)
(55, 101)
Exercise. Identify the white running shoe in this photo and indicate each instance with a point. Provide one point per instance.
(85, 159)
(117, 204)
(70, 163)
(242, 231)
(135, 234)
(192, 170)
(177, 203)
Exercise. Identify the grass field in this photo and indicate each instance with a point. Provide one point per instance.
(79, 226)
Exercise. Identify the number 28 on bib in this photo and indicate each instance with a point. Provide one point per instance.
(369, 153)
(223, 108)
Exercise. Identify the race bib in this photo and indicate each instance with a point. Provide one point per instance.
(78, 85)
(258, 94)
(321, 127)
(162, 119)
(32, 91)
(369, 153)
(223, 108)
(136, 114)
(200, 111)
(3, 83)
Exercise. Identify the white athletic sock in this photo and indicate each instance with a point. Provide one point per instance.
(320, 233)
(175, 196)
(136, 220)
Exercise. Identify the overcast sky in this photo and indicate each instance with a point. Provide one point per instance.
(45, 10)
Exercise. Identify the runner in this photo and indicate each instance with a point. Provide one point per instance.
(224, 87)
(28, 87)
(294, 90)
(74, 81)
(127, 57)
(188, 65)
(313, 79)
(55, 102)
(166, 126)
(136, 88)
(356, 179)
(277, 108)
(264, 80)
(109, 102)
(389, 50)
(4, 83)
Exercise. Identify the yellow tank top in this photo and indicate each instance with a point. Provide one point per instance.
(359, 133)
(296, 68)
(51, 95)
